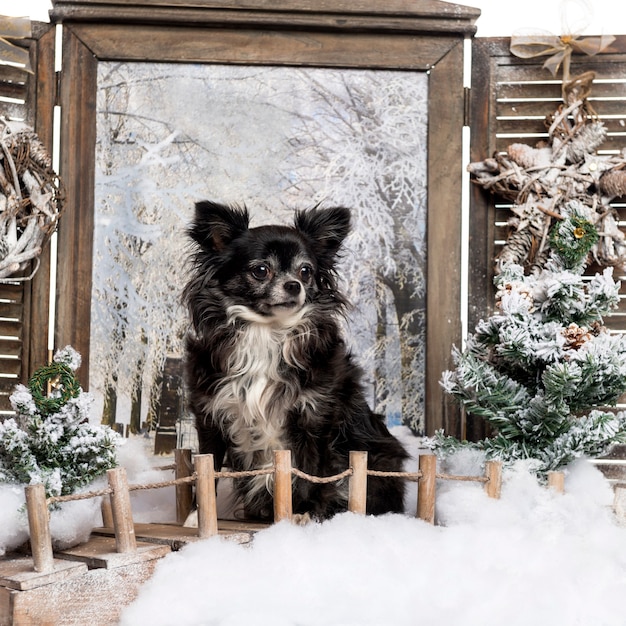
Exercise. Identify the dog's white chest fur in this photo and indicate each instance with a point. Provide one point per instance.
(253, 399)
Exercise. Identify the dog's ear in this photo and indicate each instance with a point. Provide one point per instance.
(327, 228)
(216, 225)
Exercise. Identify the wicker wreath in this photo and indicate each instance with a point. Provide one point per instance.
(52, 386)
(31, 199)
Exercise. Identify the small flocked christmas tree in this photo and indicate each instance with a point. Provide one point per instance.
(543, 367)
(50, 440)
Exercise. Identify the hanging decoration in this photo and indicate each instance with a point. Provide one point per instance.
(541, 180)
(31, 200)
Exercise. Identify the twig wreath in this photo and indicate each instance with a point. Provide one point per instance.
(31, 199)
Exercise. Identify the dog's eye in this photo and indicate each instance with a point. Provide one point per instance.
(260, 272)
(306, 272)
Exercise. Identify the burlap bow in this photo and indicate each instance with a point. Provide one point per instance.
(14, 28)
(559, 49)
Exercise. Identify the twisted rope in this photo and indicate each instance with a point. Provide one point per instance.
(79, 496)
(321, 479)
(476, 479)
(411, 476)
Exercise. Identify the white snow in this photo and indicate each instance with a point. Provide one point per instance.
(534, 557)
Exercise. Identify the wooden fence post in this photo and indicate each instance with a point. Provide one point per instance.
(123, 525)
(39, 525)
(206, 499)
(107, 514)
(357, 489)
(184, 492)
(493, 473)
(282, 485)
(556, 480)
(426, 488)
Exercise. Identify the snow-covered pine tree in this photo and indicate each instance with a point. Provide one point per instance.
(50, 440)
(543, 369)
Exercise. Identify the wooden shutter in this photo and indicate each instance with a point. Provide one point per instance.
(24, 305)
(510, 99)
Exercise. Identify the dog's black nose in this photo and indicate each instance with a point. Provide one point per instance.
(292, 287)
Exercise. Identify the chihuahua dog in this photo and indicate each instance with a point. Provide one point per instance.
(266, 365)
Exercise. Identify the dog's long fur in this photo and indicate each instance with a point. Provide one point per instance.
(266, 367)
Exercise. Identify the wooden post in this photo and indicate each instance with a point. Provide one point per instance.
(493, 472)
(107, 514)
(39, 524)
(556, 480)
(206, 499)
(123, 525)
(282, 485)
(426, 488)
(184, 492)
(357, 489)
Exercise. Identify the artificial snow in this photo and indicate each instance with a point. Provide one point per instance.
(533, 557)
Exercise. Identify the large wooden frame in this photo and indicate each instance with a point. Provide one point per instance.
(424, 36)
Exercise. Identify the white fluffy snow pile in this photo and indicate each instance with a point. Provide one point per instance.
(533, 557)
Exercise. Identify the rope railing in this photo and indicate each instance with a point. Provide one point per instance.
(117, 510)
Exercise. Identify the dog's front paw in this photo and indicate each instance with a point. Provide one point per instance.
(301, 519)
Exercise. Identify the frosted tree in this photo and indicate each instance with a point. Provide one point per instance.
(51, 441)
(543, 369)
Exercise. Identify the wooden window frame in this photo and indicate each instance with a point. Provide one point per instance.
(428, 38)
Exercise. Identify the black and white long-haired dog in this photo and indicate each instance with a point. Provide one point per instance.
(266, 366)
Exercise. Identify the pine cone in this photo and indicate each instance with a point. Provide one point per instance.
(613, 183)
(526, 156)
(590, 137)
(575, 336)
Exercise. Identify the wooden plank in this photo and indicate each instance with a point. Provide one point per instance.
(19, 573)
(75, 238)
(10, 348)
(43, 96)
(614, 144)
(398, 15)
(100, 551)
(11, 368)
(11, 292)
(482, 208)
(519, 127)
(177, 536)
(11, 310)
(430, 8)
(10, 89)
(606, 87)
(443, 302)
(320, 49)
(11, 327)
(96, 598)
